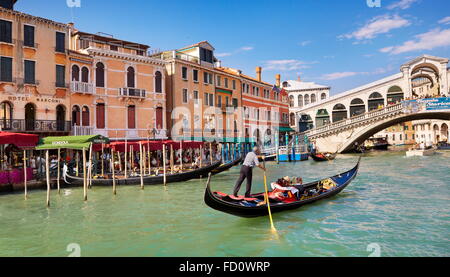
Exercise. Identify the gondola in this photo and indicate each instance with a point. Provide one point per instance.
(148, 180)
(244, 207)
(226, 166)
(323, 157)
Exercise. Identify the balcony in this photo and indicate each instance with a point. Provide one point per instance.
(132, 92)
(82, 130)
(37, 126)
(81, 87)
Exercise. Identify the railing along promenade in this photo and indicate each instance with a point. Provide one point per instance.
(356, 120)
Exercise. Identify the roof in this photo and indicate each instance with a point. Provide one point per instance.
(196, 45)
(37, 18)
(238, 72)
(429, 57)
(113, 40)
(299, 85)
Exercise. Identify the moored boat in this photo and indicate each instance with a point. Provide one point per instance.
(148, 180)
(323, 157)
(376, 144)
(226, 166)
(255, 206)
(443, 146)
(420, 152)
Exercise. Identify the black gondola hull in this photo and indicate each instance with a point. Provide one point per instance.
(225, 167)
(148, 180)
(321, 159)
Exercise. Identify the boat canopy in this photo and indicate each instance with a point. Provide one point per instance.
(69, 142)
(19, 140)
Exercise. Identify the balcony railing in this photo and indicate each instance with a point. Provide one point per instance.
(132, 92)
(29, 125)
(82, 130)
(81, 87)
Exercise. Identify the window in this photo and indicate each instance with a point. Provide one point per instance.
(6, 115)
(219, 101)
(5, 31)
(30, 72)
(158, 82)
(234, 84)
(195, 75)
(28, 35)
(114, 48)
(140, 52)
(206, 55)
(227, 101)
(60, 76)
(218, 81)
(185, 95)
(130, 77)
(75, 73)
(60, 42)
(195, 97)
(211, 100)
(6, 69)
(131, 117)
(100, 116)
(85, 116)
(207, 78)
(206, 101)
(184, 73)
(226, 82)
(100, 75)
(235, 102)
(76, 116)
(85, 75)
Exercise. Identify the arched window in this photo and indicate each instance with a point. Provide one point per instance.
(323, 96)
(85, 75)
(376, 101)
(357, 107)
(76, 116)
(313, 98)
(158, 82)
(291, 101)
(306, 99)
(100, 75)
(75, 73)
(395, 95)
(85, 116)
(60, 118)
(300, 101)
(339, 113)
(292, 119)
(30, 116)
(130, 77)
(6, 115)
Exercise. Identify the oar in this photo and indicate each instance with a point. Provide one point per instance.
(267, 197)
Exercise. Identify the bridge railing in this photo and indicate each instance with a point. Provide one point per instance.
(355, 120)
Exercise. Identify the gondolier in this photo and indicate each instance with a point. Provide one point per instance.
(251, 160)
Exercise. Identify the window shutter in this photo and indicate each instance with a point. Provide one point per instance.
(100, 116)
(30, 71)
(131, 117)
(28, 36)
(6, 69)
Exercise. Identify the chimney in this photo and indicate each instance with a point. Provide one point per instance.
(258, 73)
(278, 78)
(7, 4)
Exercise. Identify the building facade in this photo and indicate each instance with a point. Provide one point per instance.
(34, 95)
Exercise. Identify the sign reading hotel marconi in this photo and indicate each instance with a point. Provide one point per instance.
(34, 99)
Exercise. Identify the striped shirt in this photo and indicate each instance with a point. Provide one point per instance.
(251, 160)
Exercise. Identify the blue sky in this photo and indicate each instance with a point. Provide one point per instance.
(342, 43)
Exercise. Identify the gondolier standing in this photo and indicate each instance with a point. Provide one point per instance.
(251, 160)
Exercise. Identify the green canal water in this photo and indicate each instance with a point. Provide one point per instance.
(399, 204)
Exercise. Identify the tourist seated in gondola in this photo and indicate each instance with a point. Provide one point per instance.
(283, 188)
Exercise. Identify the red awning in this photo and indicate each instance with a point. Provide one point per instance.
(153, 145)
(19, 140)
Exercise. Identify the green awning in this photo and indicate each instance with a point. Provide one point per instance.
(286, 129)
(224, 91)
(69, 142)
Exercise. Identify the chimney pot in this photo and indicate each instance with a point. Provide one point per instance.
(258, 73)
(278, 78)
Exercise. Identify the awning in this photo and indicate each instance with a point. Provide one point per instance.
(19, 140)
(286, 129)
(119, 146)
(69, 142)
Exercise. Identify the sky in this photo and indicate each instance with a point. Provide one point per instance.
(339, 43)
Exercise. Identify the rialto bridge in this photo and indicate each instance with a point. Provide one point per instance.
(336, 123)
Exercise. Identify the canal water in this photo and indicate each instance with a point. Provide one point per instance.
(397, 206)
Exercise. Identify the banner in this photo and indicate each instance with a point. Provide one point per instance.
(429, 104)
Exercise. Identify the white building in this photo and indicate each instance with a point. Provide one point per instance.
(431, 131)
(304, 94)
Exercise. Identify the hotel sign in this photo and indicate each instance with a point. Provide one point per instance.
(35, 99)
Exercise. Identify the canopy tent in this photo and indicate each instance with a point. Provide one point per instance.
(119, 146)
(69, 142)
(286, 129)
(19, 140)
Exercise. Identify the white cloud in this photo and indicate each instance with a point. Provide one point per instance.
(220, 55)
(247, 48)
(426, 41)
(402, 4)
(286, 65)
(445, 20)
(304, 43)
(378, 25)
(339, 75)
